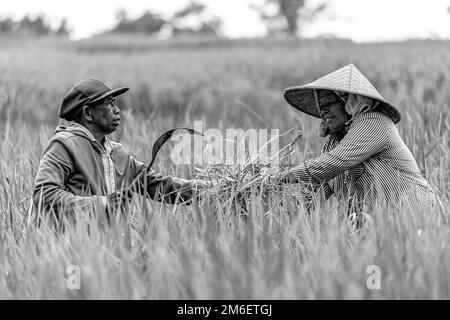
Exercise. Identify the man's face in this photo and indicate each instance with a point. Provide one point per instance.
(332, 110)
(106, 116)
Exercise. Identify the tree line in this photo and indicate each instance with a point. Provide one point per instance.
(37, 26)
(281, 17)
(151, 23)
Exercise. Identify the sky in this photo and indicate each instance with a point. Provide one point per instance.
(359, 20)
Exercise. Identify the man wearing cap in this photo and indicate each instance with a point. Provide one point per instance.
(82, 168)
(364, 161)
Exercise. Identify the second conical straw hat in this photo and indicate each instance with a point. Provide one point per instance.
(347, 79)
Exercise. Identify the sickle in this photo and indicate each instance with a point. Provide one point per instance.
(162, 139)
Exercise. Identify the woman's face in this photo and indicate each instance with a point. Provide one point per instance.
(332, 110)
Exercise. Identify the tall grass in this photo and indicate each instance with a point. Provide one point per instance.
(277, 252)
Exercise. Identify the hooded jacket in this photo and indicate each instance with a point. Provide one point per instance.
(77, 171)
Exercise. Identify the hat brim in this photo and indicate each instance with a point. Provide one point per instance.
(302, 99)
(112, 93)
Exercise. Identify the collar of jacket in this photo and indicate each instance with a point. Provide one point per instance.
(82, 131)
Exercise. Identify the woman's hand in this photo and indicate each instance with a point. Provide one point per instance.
(274, 176)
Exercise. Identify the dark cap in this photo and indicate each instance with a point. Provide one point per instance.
(83, 93)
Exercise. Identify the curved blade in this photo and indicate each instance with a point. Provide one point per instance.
(162, 139)
(166, 136)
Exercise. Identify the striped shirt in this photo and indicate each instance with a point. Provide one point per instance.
(371, 164)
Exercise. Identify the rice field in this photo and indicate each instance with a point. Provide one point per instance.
(209, 250)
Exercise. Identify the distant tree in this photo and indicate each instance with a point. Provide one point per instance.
(63, 29)
(287, 15)
(121, 15)
(179, 23)
(36, 26)
(148, 23)
(29, 26)
(211, 26)
(6, 25)
(194, 11)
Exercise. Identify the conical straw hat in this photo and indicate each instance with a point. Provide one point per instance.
(347, 79)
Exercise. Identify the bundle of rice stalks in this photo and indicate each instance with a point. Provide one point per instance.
(234, 185)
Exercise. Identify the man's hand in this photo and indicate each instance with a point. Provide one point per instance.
(200, 185)
(119, 200)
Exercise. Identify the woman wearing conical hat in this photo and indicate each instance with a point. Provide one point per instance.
(364, 160)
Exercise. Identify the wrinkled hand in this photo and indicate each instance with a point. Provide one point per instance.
(278, 178)
(201, 185)
(268, 172)
(119, 200)
(272, 175)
